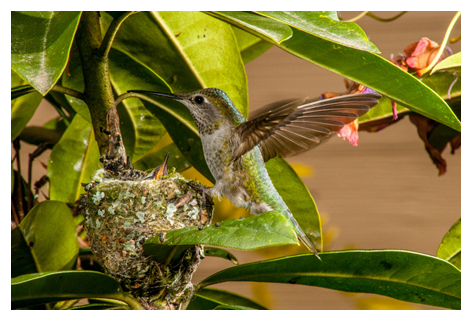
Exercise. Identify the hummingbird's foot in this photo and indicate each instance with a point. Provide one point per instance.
(206, 197)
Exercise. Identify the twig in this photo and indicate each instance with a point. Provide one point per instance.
(112, 32)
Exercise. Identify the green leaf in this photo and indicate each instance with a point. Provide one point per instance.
(366, 68)
(99, 306)
(40, 45)
(22, 261)
(403, 275)
(250, 46)
(297, 197)
(441, 83)
(50, 234)
(231, 307)
(381, 111)
(141, 131)
(75, 80)
(375, 72)
(36, 135)
(454, 61)
(211, 298)
(21, 90)
(188, 60)
(22, 108)
(181, 128)
(268, 229)
(155, 157)
(265, 28)
(73, 161)
(450, 248)
(326, 25)
(222, 253)
(60, 286)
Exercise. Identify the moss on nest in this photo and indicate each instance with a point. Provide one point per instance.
(121, 214)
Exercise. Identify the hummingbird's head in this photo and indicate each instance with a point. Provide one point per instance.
(210, 108)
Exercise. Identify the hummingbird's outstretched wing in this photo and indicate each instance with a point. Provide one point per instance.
(299, 125)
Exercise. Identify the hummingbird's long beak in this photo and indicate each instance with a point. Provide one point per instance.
(170, 95)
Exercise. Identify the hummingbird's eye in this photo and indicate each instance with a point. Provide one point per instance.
(199, 99)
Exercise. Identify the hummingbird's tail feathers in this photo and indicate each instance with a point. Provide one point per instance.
(303, 237)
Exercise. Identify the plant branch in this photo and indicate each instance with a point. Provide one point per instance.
(98, 88)
(68, 91)
(111, 33)
(128, 299)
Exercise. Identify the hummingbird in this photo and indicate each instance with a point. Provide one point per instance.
(236, 149)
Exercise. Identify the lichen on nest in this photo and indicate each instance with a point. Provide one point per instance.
(121, 214)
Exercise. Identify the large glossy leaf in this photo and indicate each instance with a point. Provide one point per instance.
(363, 67)
(454, 61)
(40, 45)
(155, 157)
(22, 108)
(22, 261)
(326, 25)
(403, 275)
(141, 131)
(441, 83)
(210, 298)
(450, 248)
(250, 46)
(297, 197)
(50, 234)
(181, 127)
(73, 161)
(74, 79)
(186, 59)
(268, 229)
(60, 286)
(265, 28)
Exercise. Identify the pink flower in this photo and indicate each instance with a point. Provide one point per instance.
(350, 132)
(418, 56)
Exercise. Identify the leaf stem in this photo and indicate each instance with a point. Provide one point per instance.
(442, 46)
(361, 15)
(58, 108)
(112, 32)
(128, 299)
(369, 14)
(68, 91)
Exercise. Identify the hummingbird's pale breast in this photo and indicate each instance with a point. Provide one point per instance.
(238, 180)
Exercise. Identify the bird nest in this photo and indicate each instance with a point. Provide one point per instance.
(122, 212)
